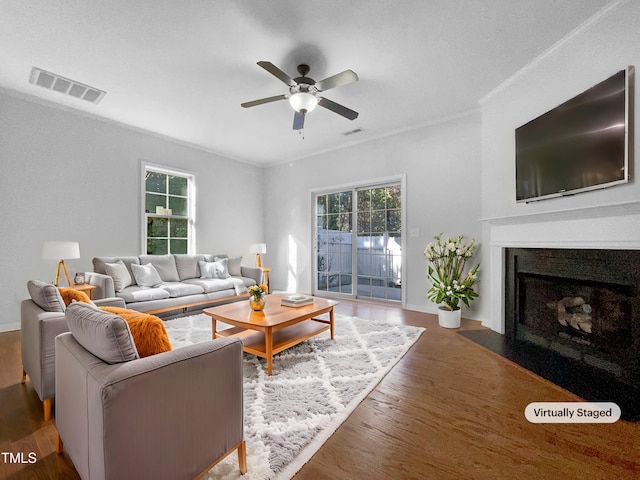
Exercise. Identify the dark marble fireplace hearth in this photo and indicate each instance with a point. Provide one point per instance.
(573, 317)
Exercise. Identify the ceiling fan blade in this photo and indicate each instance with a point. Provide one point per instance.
(337, 80)
(263, 100)
(337, 108)
(276, 72)
(298, 121)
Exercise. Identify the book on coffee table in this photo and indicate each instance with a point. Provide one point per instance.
(296, 300)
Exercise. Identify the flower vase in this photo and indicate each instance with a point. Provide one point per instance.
(449, 318)
(256, 303)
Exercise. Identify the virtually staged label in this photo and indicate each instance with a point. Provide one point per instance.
(572, 412)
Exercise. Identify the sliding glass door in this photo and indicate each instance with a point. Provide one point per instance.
(359, 242)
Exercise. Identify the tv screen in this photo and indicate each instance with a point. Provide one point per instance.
(578, 146)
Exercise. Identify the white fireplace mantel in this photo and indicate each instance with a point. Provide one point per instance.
(607, 227)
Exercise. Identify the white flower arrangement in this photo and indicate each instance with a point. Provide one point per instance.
(449, 284)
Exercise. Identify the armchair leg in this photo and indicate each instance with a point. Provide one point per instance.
(59, 445)
(24, 376)
(242, 457)
(46, 404)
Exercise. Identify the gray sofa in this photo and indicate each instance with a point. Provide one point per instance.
(182, 285)
(168, 416)
(42, 319)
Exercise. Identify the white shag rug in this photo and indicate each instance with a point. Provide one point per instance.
(314, 387)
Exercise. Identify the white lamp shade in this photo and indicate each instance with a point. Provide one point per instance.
(303, 101)
(258, 248)
(60, 250)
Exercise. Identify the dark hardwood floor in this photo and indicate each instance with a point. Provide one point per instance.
(450, 409)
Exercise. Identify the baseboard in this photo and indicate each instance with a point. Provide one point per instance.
(421, 308)
(9, 327)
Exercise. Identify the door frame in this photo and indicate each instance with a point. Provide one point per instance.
(361, 184)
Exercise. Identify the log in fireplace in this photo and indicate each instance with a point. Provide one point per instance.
(573, 317)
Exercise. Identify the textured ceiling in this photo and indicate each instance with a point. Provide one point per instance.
(182, 68)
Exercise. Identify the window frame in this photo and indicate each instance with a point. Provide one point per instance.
(191, 204)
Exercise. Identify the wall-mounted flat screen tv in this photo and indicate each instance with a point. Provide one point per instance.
(578, 146)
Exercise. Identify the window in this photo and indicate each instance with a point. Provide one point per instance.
(169, 207)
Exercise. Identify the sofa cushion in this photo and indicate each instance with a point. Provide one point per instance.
(179, 289)
(105, 335)
(120, 274)
(148, 331)
(164, 264)
(212, 284)
(136, 293)
(46, 296)
(69, 295)
(188, 265)
(146, 275)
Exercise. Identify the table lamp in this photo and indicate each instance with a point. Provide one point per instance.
(258, 248)
(61, 251)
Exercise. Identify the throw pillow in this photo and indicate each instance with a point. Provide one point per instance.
(105, 335)
(235, 266)
(164, 264)
(146, 275)
(121, 277)
(69, 295)
(46, 296)
(208, 270)
(148, 331)
(222, 267)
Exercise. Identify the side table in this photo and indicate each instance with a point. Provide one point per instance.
(85, 287)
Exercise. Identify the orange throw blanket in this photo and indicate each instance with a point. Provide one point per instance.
(149, 334)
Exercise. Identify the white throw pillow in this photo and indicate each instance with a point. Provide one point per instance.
(222, 267)
(208, 270)
(121, 277)
(146, 275)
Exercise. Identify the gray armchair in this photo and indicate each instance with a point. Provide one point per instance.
(42, 319)
(168, 416)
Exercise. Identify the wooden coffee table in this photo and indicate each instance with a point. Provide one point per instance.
(276, 328)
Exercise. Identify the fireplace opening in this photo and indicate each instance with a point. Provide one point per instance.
(573, 317)
(581, 320)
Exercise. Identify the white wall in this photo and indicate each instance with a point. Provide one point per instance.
(442, 168)
(587, 58)
(601, 47)
(71, 177)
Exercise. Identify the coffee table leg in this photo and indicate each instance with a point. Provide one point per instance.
(331, 321)
(214, 328)
(268, 339)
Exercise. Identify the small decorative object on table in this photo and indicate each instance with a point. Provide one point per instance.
(449, 284)
(296, 300)
(256, 297)
(78, 279)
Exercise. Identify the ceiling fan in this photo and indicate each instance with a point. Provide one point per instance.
(304, 92)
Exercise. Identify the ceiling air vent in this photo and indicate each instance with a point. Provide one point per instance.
(64, 85)
(353, 132)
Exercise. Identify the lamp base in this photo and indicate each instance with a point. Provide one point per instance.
(258, 260)
(66, 274)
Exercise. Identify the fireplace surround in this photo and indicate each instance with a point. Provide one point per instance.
(573, 317)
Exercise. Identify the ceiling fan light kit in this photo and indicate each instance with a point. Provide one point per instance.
(303, 92)
(303, 102)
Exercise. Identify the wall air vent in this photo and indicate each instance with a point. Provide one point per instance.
(64, 85)
(353, 132)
